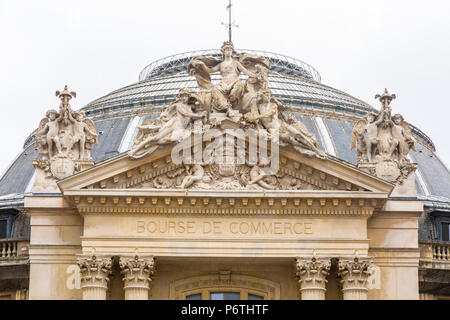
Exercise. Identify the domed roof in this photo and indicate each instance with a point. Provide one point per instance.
(327, 112)
(291, 80)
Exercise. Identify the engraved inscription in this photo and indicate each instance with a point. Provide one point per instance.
(186, 227)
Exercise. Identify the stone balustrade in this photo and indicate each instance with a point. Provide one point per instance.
(13, 248)
(441, 251)
(435, 252)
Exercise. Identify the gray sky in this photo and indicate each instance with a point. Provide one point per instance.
(359, 47)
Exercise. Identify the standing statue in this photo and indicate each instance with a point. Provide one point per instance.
(82, 126)
(365, 137)
(382, 142)
(402, 135)
(64, 107)
(48, 134)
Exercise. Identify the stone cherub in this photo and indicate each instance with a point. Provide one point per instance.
(178, 117)
(383, 138)
(258, 175)
(65, 140)
(80, 127)
(48, 134)
(194, 173)
(402, 136)
(365, 136)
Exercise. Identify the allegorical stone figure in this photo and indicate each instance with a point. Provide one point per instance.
(232, 104)
(382, 137)
(383, 141)
(178, 118)
(230, 87)
(65, 139)
(48, 134)
(69, 132)
(83, 129)
(403, 139)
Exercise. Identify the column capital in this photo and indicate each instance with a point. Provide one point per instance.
(312, 273)
(354, 273)
(137, 271)
(95, 271)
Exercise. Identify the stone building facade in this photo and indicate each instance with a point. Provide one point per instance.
(99, 204)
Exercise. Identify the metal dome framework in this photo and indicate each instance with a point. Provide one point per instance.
(280, 64)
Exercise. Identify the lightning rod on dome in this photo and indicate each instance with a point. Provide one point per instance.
(230, 24)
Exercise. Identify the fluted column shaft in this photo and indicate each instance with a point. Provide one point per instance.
(137, 276)
(312, 273)
(354, 273)
(94, 272)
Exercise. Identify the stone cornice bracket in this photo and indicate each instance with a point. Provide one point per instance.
(312, 274)
(137, 276)
(94, 273)
(354, 273)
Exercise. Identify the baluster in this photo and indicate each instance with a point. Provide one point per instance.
(434, 251)
(14, 251)
(3, 250)
(447, 253)
(441, 252)
(8, 251)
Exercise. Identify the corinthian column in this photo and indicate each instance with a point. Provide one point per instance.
(94, 273)
(312, 273)
(137, 273)
(354, 274)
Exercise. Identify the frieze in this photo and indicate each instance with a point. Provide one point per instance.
(223, 211)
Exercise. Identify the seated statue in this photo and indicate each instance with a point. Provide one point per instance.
(265, 111)
(230, 88)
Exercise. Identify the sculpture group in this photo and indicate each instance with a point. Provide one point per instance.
(230, 104)
(383, 142)
(65, 139)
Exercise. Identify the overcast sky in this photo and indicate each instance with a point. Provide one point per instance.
(97, 46)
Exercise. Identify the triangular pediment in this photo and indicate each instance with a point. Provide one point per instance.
(297, 172)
